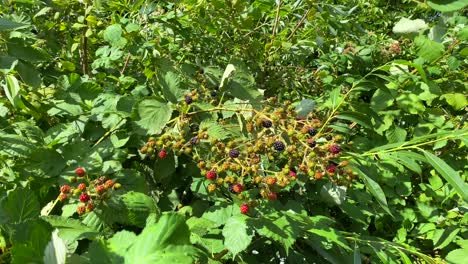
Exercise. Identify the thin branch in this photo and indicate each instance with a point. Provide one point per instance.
(299, 24)
(275, 26)
(127, 60)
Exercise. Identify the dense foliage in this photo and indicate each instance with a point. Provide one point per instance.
(230, 131)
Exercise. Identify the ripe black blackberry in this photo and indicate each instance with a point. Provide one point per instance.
(311, 143)
(267, 123)
(312, 131)
(194, 140)
(234, 153)
(334, 149)
(188, 99)
(213, 93)
(278, 146)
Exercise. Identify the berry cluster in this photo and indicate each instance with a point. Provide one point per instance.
(89, 192)
(274, 150)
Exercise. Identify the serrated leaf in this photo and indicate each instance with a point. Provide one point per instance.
(121, 242)
(305, 107)
(168, 240)
(30, 240)
(428, 49)
(278, 228)
(457, 100)
(236, 234)
(131, 208)
(219, 213)
(56, 250)
(375, 189)
(449, 174)
(6, 24)
(170, 83)
(154, 115)
(215, 130)
(20, 205)
(113, 35)
(406, 26)
(381, 99)
(70, 229)
(396, 134)
(447, 5)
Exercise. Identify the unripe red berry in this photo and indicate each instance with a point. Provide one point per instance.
(117, 186)
(162, 154)
(244, 209)
(272, 196)
(90, 207)
(81, 209)
(100, 189)
(211, 175)
(84, 198)
(237, 188)
(331, 168)
(80, 172)
(292, 173)
(270, 180)
(318, 175)
(108, 184)
(62, 197)
(65, 189)
(81, 187)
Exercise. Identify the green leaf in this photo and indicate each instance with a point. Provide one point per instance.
(153, 114)
(70, 229)
(449, 174)
(20, 205)
(56, 250)
(214, 130)
(132, 208)
(305, 107)
(374, 188)
(6, 24)
(457, 256)
(396, 134)
(236, 235)
(219, 213)
(447, 5)
(357, 255)
(405, 26)
(168, 240)
(335, 97)
(113, 35)
(331, 235)
(227, 73)
(171, 87)
(121, 242)
(411, 103)
(428, 49)
(12, 89)
(30, 240)
(457, 100)
(443, 237)
(279, 228)
(356, 117)
(381, 99)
